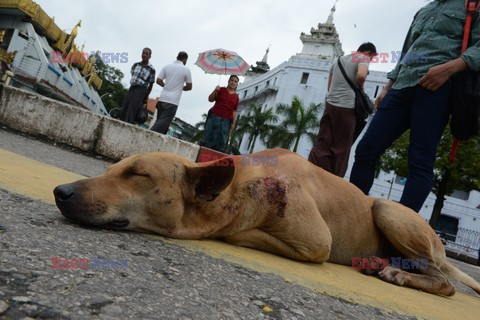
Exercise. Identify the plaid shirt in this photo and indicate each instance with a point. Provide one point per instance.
(142, 76)
(435, 37)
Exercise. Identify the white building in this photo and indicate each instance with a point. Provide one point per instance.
(305, 75)
(45, 59)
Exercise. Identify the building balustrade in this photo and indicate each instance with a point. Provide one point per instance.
(262, 91)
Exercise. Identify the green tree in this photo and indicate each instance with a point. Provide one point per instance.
(257, 123)
(200, 129)
(463, 174)
(241, 128)
(297, 122)
(112, 90)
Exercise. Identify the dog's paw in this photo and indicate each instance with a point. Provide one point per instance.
(373, 265)
(392, 275)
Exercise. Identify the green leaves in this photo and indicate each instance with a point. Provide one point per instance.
(297, 121)
(200, 129)
(112, 88)
(258, 124)
(463, 174)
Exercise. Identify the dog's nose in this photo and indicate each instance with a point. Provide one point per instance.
(63, 192)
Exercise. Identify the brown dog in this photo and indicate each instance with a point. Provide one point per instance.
(290, 208)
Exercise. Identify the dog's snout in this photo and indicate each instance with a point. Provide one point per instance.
(64, 192)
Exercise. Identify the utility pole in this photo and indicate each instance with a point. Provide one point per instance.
(391, 181)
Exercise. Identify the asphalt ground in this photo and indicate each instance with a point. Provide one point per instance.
(164, 278)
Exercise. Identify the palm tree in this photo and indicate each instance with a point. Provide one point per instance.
(200, 129)
(257, 123)
(239, 131)
(297, 121)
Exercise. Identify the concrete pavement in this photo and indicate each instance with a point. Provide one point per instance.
(36, 180)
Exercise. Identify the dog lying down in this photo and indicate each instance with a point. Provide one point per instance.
(293, 209)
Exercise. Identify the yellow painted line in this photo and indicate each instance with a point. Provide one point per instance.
(31, 178)
(37, 180)
(343, 282)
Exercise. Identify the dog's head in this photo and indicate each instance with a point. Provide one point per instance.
(149, 191)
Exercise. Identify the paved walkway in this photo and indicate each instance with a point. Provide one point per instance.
(36, 180)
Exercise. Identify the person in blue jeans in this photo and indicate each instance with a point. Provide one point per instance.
(417, 97)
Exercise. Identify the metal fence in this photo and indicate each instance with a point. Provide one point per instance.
(465, 241)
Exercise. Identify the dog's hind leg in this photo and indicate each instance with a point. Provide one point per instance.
(416, 240)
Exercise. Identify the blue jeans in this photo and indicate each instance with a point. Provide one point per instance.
(426, 114)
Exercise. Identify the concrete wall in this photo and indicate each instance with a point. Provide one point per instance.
(40, 116)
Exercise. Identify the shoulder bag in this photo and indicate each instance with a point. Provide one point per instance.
(363, 104)
(142, 115)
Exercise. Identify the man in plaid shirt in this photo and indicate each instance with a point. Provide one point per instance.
(141, 84)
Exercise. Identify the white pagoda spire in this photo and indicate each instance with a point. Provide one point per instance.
(265, 57)
(330, 16)
(323, 42)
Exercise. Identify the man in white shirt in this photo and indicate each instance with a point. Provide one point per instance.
(174, 78)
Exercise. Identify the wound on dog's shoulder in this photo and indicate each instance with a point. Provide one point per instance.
(273, 189)
(276, 194)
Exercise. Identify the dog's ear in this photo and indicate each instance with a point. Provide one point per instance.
(207, 180)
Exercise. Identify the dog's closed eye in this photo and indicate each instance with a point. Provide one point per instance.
(132, 172)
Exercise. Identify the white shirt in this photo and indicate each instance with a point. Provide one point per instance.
(175, 75)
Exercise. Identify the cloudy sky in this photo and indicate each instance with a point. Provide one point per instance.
(247, 27)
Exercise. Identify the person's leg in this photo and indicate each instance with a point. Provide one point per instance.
(320, 154)
(224, 130)
(216, 133)
(166, 113)
(209, 132)
(137, 102)
(159, 107)
(126, 104)
(390, 121)
(430, 114)
(343, 131)
(132, 103)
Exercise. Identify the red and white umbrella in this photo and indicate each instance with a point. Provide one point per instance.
(221, 61)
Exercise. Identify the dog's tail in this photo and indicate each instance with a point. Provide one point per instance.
(453, 272)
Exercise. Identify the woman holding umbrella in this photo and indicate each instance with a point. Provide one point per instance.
(221, 117)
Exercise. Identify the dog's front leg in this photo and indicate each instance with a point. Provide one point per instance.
(260, 240)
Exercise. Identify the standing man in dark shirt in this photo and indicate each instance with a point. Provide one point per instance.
(417, 97)
(141, 84)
